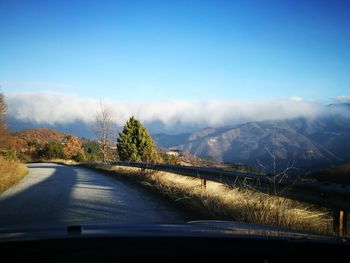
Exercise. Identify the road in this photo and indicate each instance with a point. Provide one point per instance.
(55, 195)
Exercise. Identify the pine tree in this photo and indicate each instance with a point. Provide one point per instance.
(135, 144)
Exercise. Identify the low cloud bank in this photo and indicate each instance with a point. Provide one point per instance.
(58, 108)
(342, 99)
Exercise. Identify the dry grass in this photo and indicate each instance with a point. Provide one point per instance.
(57, 161)
(61, 161)
(218, 201)
(11, 172)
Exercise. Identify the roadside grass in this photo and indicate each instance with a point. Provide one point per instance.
(60, 161)
(11, 172)
(222, 202)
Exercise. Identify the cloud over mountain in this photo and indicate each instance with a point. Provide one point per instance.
(57, 108)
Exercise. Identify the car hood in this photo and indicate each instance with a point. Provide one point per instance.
(204, 228)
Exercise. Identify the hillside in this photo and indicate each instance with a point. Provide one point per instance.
(78, 128)
(41, 135)
(309, 143)
(46, 144)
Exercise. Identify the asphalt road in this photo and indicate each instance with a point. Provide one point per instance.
(55, 195)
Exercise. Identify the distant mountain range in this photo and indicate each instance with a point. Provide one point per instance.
(310, 143)
(82, 129)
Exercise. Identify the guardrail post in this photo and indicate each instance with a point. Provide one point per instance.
(204, 184)
(343, 223)
(336, 221)
(340, 223)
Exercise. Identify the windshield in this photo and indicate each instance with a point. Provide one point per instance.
(167, 112)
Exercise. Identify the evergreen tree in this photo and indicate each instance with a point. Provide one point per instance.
(135, 144)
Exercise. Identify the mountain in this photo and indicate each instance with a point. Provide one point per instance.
(83, 129)
(167, 141)
(310, 143)
(316, 142)
(21, 140)
(76, 128)
(40, 135)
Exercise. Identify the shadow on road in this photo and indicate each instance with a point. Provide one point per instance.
(54, 195)
(39, 197)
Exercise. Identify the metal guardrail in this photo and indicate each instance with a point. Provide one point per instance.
(333, 196)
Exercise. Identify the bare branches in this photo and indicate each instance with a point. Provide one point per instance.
(279, 180)
(103, 127)
(273, 158)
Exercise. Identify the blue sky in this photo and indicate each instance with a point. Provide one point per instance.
(174, 50)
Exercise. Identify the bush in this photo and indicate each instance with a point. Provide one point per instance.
(11, 154)
(79, 157)
(171, 159)
(92, 151)
(73, 149)
(53, 150)
(25, 157)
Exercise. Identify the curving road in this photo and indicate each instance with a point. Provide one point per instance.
(52, 195)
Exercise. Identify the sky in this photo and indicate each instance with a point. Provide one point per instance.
(164, 50)
(160, 53)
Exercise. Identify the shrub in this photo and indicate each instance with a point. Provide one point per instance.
(53, 150)
(11, 154)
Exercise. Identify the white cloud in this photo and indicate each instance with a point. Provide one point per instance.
(296, 98)
(53, 108)
(342, 99)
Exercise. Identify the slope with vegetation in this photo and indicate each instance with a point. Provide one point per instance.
(311, 143)
(11, 170)
(40, 135)
(41, 143)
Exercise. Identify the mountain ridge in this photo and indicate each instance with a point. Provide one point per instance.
(309, 142)
(318, 141)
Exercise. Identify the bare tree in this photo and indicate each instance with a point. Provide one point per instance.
(278, 177)
(103, 127)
